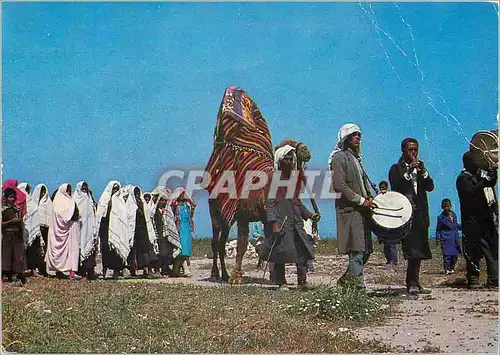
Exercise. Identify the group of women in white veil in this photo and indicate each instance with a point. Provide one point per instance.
(58, 231)
(138, 231)
(66, 234)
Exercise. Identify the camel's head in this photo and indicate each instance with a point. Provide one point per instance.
(301, 149)
(303, 153)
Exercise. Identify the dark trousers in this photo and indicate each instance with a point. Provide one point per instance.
(481, 240)
(279, 272)
(491, 270)
(391, 253)
(491, 258)
(165, 257)
(413, 273)
(449, 262)
(35, 256)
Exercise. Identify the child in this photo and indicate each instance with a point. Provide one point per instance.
(390, 250)
(447, 234)
(13, 255)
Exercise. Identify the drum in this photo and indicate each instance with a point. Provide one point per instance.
(484, 145)
(391, 220)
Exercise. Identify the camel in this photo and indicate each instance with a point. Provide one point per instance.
(242, 142)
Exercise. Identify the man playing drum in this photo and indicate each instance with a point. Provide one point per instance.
(352, 207)
(410, 178)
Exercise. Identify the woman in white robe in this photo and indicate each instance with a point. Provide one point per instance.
(88, 236)
(143, 236)
(37, 220)
(169, 245)
(63, 244)
(111, 227)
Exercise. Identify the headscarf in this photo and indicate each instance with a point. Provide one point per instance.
(118, 234)
(63, 203)
(62, 249)
(102, 207)
(152, 204)
(37, 213)
(344, 132)
(169, 227)
(179, 193)
(165, 192)
(45, 208)
(88, 235)
(20, 196)
(156, 191)
(24, 188)
(280, 153)
(149, 207)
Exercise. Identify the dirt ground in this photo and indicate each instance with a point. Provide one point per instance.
(451, 319)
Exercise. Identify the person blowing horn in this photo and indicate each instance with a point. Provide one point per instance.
(410, 178)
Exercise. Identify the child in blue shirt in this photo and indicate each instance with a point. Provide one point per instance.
(447, 235)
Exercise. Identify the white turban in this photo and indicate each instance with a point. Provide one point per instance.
(280, 153)
(344, 132)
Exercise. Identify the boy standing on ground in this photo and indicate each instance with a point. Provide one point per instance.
(447, 235)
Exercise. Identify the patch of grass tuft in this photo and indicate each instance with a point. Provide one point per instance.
(340, 303)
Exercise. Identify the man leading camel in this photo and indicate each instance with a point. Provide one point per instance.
(352, 207)
(285, 215)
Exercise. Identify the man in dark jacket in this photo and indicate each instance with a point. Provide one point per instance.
(352, 207)
(410, 178)
(285, 225)
(478, 209)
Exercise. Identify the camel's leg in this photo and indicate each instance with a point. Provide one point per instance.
(215, 251)
(216, 235)
(222, 251)
(243, 231)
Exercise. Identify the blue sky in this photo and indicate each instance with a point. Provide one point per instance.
(126, 91)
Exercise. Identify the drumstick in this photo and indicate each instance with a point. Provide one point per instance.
(389, 209)
(387, 215)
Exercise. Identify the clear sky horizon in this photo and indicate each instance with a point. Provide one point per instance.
(125, 91)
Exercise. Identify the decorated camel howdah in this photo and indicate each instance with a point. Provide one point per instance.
(242, 143)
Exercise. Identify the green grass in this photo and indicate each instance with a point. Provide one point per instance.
(341, 304)
(59, 316)
(202, 247)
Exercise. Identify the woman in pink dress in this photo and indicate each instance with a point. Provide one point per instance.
(63, 244)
